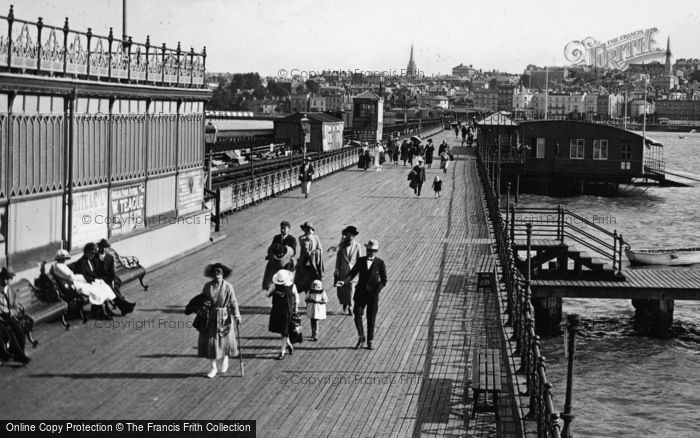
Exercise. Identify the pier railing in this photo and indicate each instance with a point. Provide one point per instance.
(41, 49)
(259, 186)
(521, 316)
(565, 226)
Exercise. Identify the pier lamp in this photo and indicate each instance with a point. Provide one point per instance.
(210, 132)
(306, 130)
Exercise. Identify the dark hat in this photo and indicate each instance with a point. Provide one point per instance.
(103, 244)
(209, 270)
(7, 273)
(285, 224)
(90, 247)
(306, 225)
(350, 230)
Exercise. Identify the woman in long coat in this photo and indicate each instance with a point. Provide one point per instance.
(310, 263)
(429, 154)
(218, 339)
(348, 253)
(284, 304)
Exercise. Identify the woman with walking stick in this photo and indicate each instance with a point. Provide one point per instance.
(216, 309)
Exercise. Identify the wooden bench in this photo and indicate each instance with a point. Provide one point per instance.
(486, 376)
(128, 268)
(39, 306)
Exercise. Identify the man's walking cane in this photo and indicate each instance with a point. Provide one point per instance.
(240, 350)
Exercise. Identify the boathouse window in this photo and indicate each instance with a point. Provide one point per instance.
(540, 147)
(625, 152)
(600, 149)
(576, 148)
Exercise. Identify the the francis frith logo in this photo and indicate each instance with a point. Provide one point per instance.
(617, 53)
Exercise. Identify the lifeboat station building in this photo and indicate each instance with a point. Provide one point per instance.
(100, 138)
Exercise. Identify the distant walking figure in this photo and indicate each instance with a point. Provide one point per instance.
(418, 177)
(372, 280)
(437, 186)
(306, 173)
(429, 153)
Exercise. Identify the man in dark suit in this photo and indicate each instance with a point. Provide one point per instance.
(371, 282)
(283, 238)
(105, 269)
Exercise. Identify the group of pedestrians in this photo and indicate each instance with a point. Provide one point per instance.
(467, 130)
(417, 175)
(287, 276)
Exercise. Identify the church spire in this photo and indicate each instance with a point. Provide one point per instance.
(411, 70)
(668, 56)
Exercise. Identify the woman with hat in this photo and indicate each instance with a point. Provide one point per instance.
(284, 305)
(282, 258)
(218, 339)
(348, 253)
(316, 300)
(310, 264)
(98, 292)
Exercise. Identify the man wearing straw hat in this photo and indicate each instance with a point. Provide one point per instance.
(371, 282)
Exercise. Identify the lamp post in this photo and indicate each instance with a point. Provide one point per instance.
(306, 130)
(210, 132)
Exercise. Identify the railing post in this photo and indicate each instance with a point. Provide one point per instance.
(10, 20)
(191, 66)
(89, 50)
(619, 255)
(177, 64)
(65, 47)
(204, 66)
(512, 223)
(110, 40)
(567, 415)
(528, 231)
(217, 210)
(39, 25)
(148, 48)
(616, 248)
(128, 58)
(162, 78)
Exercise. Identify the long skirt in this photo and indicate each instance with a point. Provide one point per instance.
(97, 292)
(444, 164)
(280, 316)
(211, 345)
(345, 294)
(305, 187)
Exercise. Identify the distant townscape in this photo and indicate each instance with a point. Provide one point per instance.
(667, 92)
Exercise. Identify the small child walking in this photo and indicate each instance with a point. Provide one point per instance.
(437, 186)
(316, 300)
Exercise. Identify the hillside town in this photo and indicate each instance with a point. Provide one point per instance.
(667, 92)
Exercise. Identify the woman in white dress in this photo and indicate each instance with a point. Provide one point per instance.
(98, 292)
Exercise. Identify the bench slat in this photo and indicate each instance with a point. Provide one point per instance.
(37, 309)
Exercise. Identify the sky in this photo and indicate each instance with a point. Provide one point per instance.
(276, 38)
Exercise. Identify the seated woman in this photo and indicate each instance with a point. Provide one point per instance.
(98, 292)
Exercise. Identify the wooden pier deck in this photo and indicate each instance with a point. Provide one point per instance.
(640, 283)
(414, 383)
